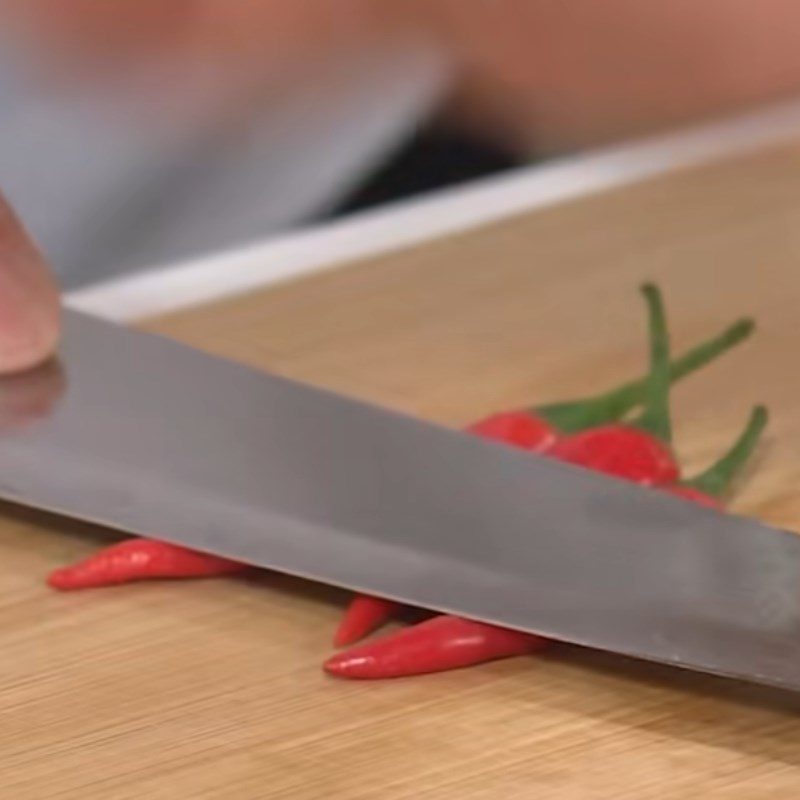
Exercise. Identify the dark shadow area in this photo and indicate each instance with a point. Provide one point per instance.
(432, 159)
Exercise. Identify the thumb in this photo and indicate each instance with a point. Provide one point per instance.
(29, 304)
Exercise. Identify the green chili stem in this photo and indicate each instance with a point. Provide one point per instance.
(573, 415)
(656, 417)
(716, 480)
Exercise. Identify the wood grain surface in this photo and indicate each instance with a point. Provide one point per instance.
(212, 689)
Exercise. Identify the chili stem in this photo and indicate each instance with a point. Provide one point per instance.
(716, 480)
(655, 418)
(571, 416)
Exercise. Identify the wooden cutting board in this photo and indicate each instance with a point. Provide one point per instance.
(212, 689)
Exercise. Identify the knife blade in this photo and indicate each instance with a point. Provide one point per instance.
(145, 435)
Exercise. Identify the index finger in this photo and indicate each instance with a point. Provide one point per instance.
(29, 303)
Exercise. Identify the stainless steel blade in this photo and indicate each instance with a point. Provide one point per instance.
(152, 437)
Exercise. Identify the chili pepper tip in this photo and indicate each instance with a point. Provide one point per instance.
(59, 579)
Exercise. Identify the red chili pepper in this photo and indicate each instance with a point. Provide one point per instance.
(639, 451)
(364, 615)
(138, 559)
(710, 487)
(519, 428)
(618, 452)
(694, 496)
(440, 643)
(621, 451)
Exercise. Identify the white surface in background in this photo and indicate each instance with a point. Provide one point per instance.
(435, 215)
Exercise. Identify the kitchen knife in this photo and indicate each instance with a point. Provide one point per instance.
(148, 436)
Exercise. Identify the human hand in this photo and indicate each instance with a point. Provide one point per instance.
(29, 302)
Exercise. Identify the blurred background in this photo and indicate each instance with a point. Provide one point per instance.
(141, 132)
